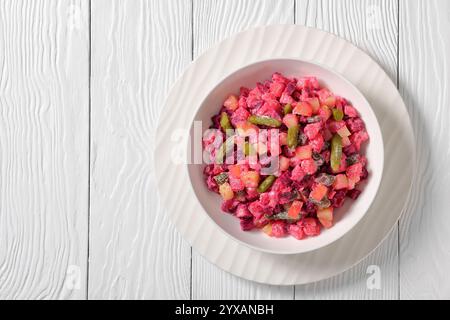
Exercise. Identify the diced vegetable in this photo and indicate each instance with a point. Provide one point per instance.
(294, 210)
(338, 115)
(225, 191)
(325, 217)
(221, 178)
(318, 146)
(318, 192)
(287, 108)
(266, 184)
(225, 122)
(292, 136)
(303, 109)
(264, 121)
(231, 103)
(336, 152)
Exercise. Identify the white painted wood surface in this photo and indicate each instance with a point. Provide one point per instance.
(81, 85)
(44, 126)
(424, 71)
(372, 26)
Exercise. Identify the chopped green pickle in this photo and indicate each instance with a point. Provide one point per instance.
(224, 149)
(287, 108)
(292, 136)
(338, 115)
(221, 178)
(336, 152)
(265, 121)
(266, 184)
(225, 121)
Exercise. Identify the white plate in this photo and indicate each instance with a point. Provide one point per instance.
(285, 41)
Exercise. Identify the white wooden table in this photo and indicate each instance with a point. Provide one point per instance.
(81, 85)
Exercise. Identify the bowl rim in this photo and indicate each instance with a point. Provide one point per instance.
(377, 129)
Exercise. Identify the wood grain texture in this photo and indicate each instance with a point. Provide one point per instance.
(138, 50)
(424, 83)
(44, 108)
(372, 26)
(214, 21)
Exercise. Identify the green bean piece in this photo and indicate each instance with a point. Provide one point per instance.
(338, 115)
(266, 184)
(292, 136)
(336, 152)
(264, 121)
(225, 122)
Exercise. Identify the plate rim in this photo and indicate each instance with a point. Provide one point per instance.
(396, 94)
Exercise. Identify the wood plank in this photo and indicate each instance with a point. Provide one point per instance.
(138, 50)
(372, 26)
(214, 21)
(424, 84)
(44, 124)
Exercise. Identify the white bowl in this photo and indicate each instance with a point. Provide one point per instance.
(347, 216)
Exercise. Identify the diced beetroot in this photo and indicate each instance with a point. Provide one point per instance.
(268, 199)
(242, 211)
(355, 171)
(308, 166)
(212, 184)
(350, 111)
(353, 194)
(311, 226)
(278, 229)
(312, 130)
(252, 194)
(308, 83)
(338, 199)
(286, 98)
(296, 231)
(247, 224)
(298, 173)
(290, 88)
(355, 124)
(277, 88)
(278, 77)
(229, 205)
(260, 222)
(236, 183)
(257, 209)
(240, 115)
(324, 112)
(358, 138)
(244, 91)
(317, 143)
(334, 126)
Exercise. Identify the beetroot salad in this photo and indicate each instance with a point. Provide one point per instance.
(284, 155)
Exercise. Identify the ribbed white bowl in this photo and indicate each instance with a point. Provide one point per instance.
(347, 216)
